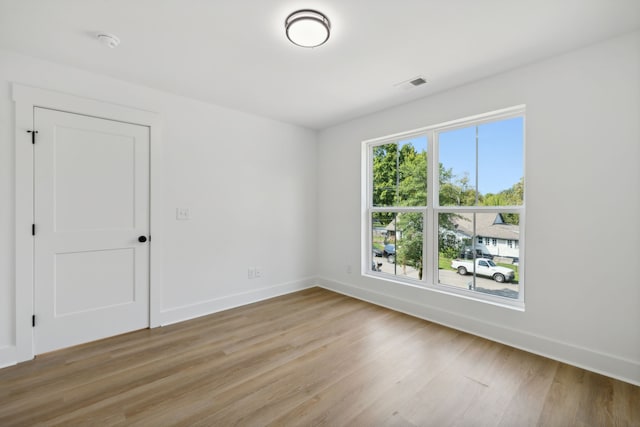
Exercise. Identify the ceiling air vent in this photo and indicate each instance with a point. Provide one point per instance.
(411, 83)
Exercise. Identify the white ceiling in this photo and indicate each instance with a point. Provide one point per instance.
(234, 53)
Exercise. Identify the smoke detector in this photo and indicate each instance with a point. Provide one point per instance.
(109, 40)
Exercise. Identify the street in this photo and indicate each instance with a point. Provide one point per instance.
(452, 278)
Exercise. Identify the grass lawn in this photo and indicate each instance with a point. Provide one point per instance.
(444, 263)
(516, 278)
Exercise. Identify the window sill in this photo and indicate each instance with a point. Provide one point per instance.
(503, 302)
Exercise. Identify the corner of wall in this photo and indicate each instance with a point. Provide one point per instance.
(204, 308)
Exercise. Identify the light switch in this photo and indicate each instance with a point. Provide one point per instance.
(183, 214)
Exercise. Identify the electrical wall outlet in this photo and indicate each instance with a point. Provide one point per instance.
(254, 272)
(183, 214)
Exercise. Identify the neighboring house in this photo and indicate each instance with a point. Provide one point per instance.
(392, 232)
(493, 235)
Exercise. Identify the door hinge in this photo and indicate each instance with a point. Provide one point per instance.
(33, 229)
(33, 321)
(33, 135)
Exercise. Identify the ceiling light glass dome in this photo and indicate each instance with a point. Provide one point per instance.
(307, 28)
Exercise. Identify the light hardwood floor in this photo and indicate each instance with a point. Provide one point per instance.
(309, 358)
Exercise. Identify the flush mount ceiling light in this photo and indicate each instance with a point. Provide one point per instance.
(307, 28)
(109, 40)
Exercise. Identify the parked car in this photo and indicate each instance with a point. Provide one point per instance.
(390, 252)
(484, 267)
(467, 253)
(377, 252)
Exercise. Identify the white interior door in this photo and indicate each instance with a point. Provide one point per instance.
(91, 206)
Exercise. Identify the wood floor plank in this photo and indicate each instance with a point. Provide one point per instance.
(204, 372)
(309, 358)
(369, 387)
(524, 407)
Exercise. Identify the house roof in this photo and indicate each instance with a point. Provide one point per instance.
(487, 225)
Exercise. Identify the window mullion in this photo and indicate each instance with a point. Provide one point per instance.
(430, 244)
(458, 203)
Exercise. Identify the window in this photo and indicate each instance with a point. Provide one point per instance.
(433, 194)
(398, 199)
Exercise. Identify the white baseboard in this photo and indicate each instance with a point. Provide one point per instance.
(186, 312)
(606, 364)
(599, 362)
(8, 356)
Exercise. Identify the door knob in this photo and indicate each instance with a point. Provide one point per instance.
(142, 239)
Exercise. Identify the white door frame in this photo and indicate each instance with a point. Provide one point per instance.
(26, 99)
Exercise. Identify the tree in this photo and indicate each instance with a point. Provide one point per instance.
(409, 249)
(513, 196)
(400, 179)
(412, 178)
(448, 244)
(385, 161)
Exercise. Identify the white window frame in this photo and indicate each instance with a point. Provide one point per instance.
(430, 244)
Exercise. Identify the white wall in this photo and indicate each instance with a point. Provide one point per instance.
(583, 207)
(250, 183)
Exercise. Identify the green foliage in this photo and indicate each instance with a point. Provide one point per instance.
(400, 179)
(399, 176)
(412, 183)
(385, 161)
(448, 245)
(456, 191)
(513, 196)
(444, 263)
(409, 247)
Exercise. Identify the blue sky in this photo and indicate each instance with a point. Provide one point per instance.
(500, 157)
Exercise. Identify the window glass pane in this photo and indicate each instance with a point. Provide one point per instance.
(457, 160)
(385, 174)
(379, 232)
(467, 264)
(500, 162)
(397, 243)
(412, 172)
(456, 242)
(400, 173)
